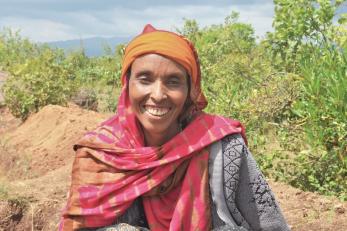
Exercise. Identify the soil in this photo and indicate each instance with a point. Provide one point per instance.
(35, 167)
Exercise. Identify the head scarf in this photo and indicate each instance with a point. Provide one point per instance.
(174, 47)
(113, 167)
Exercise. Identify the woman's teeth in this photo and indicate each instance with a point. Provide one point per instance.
(157, 111)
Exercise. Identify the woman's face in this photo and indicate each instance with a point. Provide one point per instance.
(158, 90)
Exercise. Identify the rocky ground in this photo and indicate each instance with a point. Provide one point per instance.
(35, 165)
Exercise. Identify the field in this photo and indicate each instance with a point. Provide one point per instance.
(36, 159)
(288, 89)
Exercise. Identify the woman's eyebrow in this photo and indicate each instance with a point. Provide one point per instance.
(143, 72)
(176, 74)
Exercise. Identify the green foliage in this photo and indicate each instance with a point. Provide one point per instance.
(190, 30)
(102, 76)
(312, 46)
(99, 76)
(37, 82)
(323, 109)
(40, 75)
(292, 84)
(298, 23)
(228, 66)
(14, 49)
(325, 96)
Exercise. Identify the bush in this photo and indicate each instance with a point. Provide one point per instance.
(40, 81)
(14, 49)
(322, 166)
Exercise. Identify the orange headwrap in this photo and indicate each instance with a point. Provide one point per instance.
(173, 46)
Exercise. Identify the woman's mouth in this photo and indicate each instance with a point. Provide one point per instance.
(155, 110)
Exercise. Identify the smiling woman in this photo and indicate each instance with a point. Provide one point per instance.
(161, 163)
(158, 90)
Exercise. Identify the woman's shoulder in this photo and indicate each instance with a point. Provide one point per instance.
(234, 138)
(232, 146)
(233, 143)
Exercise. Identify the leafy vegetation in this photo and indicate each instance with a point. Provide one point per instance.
(37, 82)
(314, 48)
(40, 75)
(288, 88)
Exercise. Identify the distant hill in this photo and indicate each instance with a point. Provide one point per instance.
(92, 46)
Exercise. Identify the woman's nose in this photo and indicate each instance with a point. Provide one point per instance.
(158, 91)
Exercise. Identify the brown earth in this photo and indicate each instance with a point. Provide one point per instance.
(35, 165)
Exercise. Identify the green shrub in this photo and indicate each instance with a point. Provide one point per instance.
(322, 166)
(40, 81)
(14, 49)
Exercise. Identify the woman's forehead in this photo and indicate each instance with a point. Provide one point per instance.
(154, 61)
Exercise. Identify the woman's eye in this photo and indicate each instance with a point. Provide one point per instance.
(174, 82)
(144, 80)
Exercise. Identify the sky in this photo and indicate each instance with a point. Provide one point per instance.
(56, 20)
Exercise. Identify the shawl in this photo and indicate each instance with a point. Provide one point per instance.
(113, 167)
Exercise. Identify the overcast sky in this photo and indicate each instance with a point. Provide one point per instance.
(54, 20)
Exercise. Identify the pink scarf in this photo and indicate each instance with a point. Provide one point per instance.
(113, 167)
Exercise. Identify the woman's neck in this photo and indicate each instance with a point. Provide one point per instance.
(158, 139)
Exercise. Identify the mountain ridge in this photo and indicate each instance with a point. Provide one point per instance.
(93, 46)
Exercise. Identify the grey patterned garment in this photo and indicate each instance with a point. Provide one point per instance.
(240, 197)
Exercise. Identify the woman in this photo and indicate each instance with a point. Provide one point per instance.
(161, 162)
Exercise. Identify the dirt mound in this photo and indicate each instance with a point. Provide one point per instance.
(44, 141)
(7, 121)
(36, 158)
